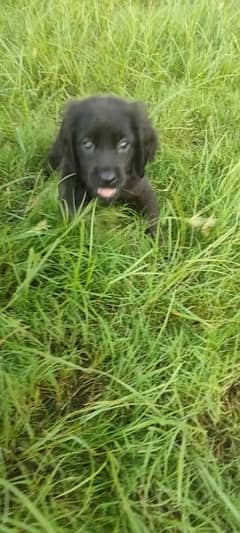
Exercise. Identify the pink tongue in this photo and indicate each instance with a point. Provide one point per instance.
(105, 192)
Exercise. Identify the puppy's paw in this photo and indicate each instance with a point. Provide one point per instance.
(155, 233)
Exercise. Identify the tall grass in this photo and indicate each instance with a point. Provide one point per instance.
(120, 359)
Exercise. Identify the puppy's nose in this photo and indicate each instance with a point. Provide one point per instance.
(108, 177)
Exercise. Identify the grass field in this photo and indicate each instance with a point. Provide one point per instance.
(120, 359)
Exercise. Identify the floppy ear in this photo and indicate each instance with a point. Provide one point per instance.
(62, 148)
(67, 136)
(146, 138)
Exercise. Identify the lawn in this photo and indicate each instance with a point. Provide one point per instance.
(120, 357)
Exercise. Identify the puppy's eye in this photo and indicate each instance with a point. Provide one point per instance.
(123, 145)
(87, 145)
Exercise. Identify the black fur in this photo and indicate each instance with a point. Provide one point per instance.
(101, 149)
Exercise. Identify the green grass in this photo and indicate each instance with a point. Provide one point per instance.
(120, 359)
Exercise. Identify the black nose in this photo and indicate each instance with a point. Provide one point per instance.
(108, 177)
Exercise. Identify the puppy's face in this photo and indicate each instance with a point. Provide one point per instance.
(104, 147)
(110, 142)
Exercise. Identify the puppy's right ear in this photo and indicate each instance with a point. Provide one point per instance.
(67, 136)
(63, 146)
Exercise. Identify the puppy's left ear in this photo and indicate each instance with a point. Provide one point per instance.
(146, 138)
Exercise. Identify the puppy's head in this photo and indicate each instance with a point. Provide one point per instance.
(109, 142)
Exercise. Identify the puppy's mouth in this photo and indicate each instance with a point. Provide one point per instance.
(107, 193)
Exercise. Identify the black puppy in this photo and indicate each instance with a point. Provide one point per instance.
(101, 150)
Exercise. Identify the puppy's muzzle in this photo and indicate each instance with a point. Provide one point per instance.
(108, 181)
(108, 178)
